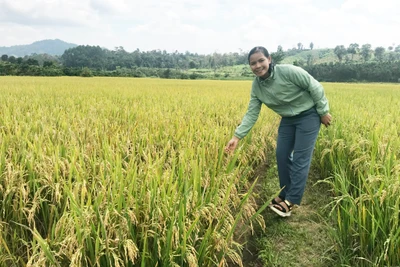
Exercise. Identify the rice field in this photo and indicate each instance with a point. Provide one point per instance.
(131, 172)
(360, 155)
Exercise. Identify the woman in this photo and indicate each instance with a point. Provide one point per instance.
(300, 100)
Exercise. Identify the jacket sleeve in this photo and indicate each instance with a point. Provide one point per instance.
(304, 80)
(250, 118)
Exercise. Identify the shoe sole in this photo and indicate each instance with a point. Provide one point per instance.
(280, 213)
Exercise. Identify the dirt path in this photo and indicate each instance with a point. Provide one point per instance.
(300, 240)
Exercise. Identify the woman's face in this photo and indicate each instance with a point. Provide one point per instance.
(259, 64)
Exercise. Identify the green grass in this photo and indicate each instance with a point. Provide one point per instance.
(132, 171)
(301, 240)
(350, 216)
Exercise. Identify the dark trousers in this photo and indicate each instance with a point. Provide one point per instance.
(295, 146)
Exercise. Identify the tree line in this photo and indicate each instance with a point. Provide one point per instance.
(366, 52)
(358, 72)
(376, 65)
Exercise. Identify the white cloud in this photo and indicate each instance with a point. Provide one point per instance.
(47, 13)
(382, 9)
(171, 34)
(201, 26)
(109, 6)
(17, 34)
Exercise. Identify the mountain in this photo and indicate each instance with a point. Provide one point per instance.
(51, 47)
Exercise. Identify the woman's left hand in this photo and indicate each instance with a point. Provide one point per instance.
(326, 119)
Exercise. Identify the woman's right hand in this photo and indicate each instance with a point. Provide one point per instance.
(232, 144)
(326, 119)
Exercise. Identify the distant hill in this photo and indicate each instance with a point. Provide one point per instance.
(51, 47)
(317, 56)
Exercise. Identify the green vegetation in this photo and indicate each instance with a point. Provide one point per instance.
(131, 172)
(121, 172)
(310, 57)
(361, 158)
(350, 212)
(352, 64)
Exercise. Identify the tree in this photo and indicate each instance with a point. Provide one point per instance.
(192, 64)
(310, 60)
(167, 74)
(311, 45)
(379, 53)
(86, 72)
(12, 59)
(299, 63)
(366, 52)
(278, 56)
(48, 64)
(353, 49)
(4, 58)
(32, 62)
(84, 56)
(340, 51)
(392, 56)
(300, 46)
(137, 58)
(397, 49)
(19, 60)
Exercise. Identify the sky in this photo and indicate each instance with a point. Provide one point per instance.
(201, 26)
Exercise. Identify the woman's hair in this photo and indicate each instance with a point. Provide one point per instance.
(258, 49)
(264, 51)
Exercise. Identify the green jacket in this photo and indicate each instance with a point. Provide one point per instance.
(288, 91)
